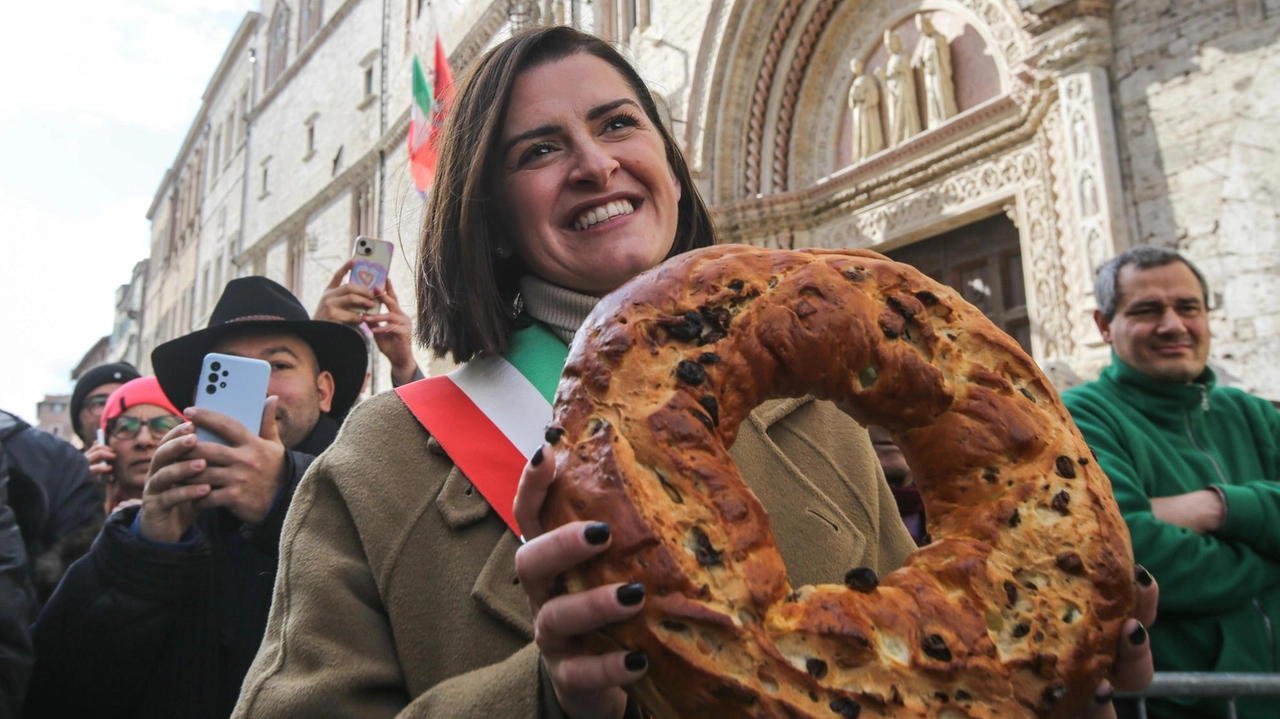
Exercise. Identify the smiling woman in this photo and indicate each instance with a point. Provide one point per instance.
(404, 587)
(588, 196)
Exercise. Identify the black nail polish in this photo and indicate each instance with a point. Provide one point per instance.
(596, 533)
(631, 594)
(553, 435)
(1144, 577)
(636, 662)
(1105, 697)
(536, 459)
(1138, 636)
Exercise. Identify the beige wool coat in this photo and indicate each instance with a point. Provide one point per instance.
(397, 594)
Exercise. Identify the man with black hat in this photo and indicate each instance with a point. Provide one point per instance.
(90, 394)
(164, 616)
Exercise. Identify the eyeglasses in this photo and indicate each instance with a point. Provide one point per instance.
(96, 402)
(128, 427)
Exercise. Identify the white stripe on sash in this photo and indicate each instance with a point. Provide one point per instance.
(509, 400)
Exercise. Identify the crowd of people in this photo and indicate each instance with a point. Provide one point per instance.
(340, 563)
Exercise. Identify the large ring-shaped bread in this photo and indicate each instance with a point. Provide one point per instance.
(1013, 610)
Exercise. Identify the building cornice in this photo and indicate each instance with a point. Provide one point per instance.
(248, 26)
(161, 192)
(196, 129)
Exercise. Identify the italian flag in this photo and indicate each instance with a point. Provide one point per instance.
(491, 414)
(426, 117)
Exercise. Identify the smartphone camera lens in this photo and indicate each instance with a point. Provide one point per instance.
(213, 377)
(215, 366)
(210, 389)
(225, 373)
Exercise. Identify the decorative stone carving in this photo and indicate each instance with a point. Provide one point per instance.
(1088, 196)
(900, 91)
(782, 65)
(864, 109)
(933, 57)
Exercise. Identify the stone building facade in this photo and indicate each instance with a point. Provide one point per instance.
(1050, 135)
(53, 415)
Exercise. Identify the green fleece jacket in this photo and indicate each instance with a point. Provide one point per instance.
(1220, 592)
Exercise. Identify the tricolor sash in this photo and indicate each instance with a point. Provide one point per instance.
(490, 414)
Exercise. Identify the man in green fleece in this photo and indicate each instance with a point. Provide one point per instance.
(1194, 468)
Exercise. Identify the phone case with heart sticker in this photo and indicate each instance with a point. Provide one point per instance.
(373, 261)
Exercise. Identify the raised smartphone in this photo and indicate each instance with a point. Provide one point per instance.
(234, 386)
(373, 261)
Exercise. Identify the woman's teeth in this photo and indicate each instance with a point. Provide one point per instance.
(597, 215)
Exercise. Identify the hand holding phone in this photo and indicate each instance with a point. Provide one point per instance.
(233, 386)
(372, 262)
(100, 455)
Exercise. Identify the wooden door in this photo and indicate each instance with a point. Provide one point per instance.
(983, 262)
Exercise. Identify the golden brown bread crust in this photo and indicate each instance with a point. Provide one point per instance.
(1013, 610)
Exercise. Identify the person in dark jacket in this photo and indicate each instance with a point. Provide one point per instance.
(165, 614)
(17, 605)
(49, 480)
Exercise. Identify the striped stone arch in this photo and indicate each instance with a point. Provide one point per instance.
(766, 112)
(753, 99)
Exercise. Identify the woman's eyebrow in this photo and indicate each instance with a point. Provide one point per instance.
(608, 107)
(552, 128)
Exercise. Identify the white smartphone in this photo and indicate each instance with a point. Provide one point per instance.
(234, 386)
(373, 261)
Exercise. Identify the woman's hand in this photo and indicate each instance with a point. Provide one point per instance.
(587, 685)
(393, 332)
(1133, 668)
(343, 301)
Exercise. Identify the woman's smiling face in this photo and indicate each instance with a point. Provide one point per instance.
(589, 198)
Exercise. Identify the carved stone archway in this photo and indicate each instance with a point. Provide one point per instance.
(1041, 151)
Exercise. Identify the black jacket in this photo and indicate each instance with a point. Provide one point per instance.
(17, 605)
(71, 498)
(144, 630)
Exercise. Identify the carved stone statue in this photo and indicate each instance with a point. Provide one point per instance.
(933, 57)
(864, 108)
(900, 90)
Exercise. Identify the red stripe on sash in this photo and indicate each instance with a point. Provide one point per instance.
(472, 441)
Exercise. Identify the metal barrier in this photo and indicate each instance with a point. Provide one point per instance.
(1206, 684)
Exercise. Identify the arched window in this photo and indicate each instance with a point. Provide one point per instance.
(277, 43)
(310, 20)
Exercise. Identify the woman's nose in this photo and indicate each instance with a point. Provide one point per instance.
(594, 164)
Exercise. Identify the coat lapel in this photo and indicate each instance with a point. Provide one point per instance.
(496, 589)
(817, 538)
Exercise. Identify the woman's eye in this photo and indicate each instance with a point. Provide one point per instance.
(535, 152)
(620, 122)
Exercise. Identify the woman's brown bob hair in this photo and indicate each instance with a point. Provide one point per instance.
(466, 294)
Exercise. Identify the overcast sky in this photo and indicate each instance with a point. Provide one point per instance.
(97, 99)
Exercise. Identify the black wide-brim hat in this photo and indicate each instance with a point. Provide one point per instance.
(257, 304)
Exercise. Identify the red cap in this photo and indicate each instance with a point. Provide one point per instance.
(144, 390)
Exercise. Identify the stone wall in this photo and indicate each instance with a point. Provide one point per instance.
(1196, 105)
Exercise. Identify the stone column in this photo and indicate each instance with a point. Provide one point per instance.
(1087, 166)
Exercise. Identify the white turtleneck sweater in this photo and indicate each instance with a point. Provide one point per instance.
(562, 310)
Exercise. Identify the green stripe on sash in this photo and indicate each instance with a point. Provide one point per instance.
(539, 355)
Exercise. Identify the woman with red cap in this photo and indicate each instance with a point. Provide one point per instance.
(136, 417)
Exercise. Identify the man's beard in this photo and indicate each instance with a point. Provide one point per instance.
(293, 429)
